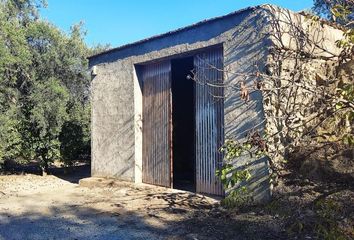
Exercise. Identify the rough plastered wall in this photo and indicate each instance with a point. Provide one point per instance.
(117, 97)
(245, 54)
(112, 122)
(252, 40)
(300, 69)
(303, 53)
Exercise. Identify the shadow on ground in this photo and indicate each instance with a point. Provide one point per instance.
(71, 174)
(77, 222)
(126, 212)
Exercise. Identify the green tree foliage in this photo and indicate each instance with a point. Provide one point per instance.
(330, 9)
(99, 48)
(10, 137)
(44, 87)
(23, 10)
(75, 135)
(15, 60)
(47, 116)
(342, 11)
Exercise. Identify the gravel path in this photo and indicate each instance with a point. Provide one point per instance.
(36, 207)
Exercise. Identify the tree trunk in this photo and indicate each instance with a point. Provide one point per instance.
(44, 168)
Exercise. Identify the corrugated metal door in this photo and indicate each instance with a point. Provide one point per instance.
(157, 124)
(209, 119)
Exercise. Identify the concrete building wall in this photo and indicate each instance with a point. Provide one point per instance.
(246, 54)
(248, 39)
(116, 93)
(303, 61)
(113, 121)
(296, 32)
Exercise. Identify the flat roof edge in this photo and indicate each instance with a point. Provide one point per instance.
(200, 23)
(175, 31)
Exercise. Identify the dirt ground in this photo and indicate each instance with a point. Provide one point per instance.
(36, 207)
(57, 207)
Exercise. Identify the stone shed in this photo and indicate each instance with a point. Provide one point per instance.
(162, 107)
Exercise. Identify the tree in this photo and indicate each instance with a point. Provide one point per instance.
(341, 11)
(48, 115)
(44, 85)
(15, 59)
(23, 10)
(63, 59)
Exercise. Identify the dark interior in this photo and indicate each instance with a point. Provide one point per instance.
(183, 117)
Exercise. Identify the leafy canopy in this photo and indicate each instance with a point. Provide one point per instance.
(43, 86)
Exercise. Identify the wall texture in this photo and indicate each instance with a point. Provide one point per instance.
(248, 38)
(116, 93)
(246, 53)
(303, 61)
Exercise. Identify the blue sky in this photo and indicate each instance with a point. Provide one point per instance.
(118, 22)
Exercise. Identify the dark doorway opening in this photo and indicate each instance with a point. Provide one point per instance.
(183, 122)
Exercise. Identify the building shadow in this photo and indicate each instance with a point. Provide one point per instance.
(188, 219)
(72, 174)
